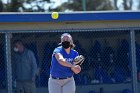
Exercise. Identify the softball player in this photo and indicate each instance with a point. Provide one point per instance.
(62, 69)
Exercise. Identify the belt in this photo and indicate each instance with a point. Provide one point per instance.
(60, 78)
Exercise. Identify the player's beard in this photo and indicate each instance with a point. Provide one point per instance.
(66, 44)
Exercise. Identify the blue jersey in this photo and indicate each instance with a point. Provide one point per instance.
(57, 70)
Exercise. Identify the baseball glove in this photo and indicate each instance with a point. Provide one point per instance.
(78, 60)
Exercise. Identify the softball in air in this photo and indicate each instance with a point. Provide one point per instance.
(54, 15)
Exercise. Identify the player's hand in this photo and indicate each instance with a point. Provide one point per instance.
(76, 69)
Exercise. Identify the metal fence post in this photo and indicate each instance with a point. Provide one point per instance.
(84, 5)
(133, 60)
(8, 62)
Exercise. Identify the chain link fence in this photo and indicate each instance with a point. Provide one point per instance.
(3, 76)
(107, 54)
(138, 54)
